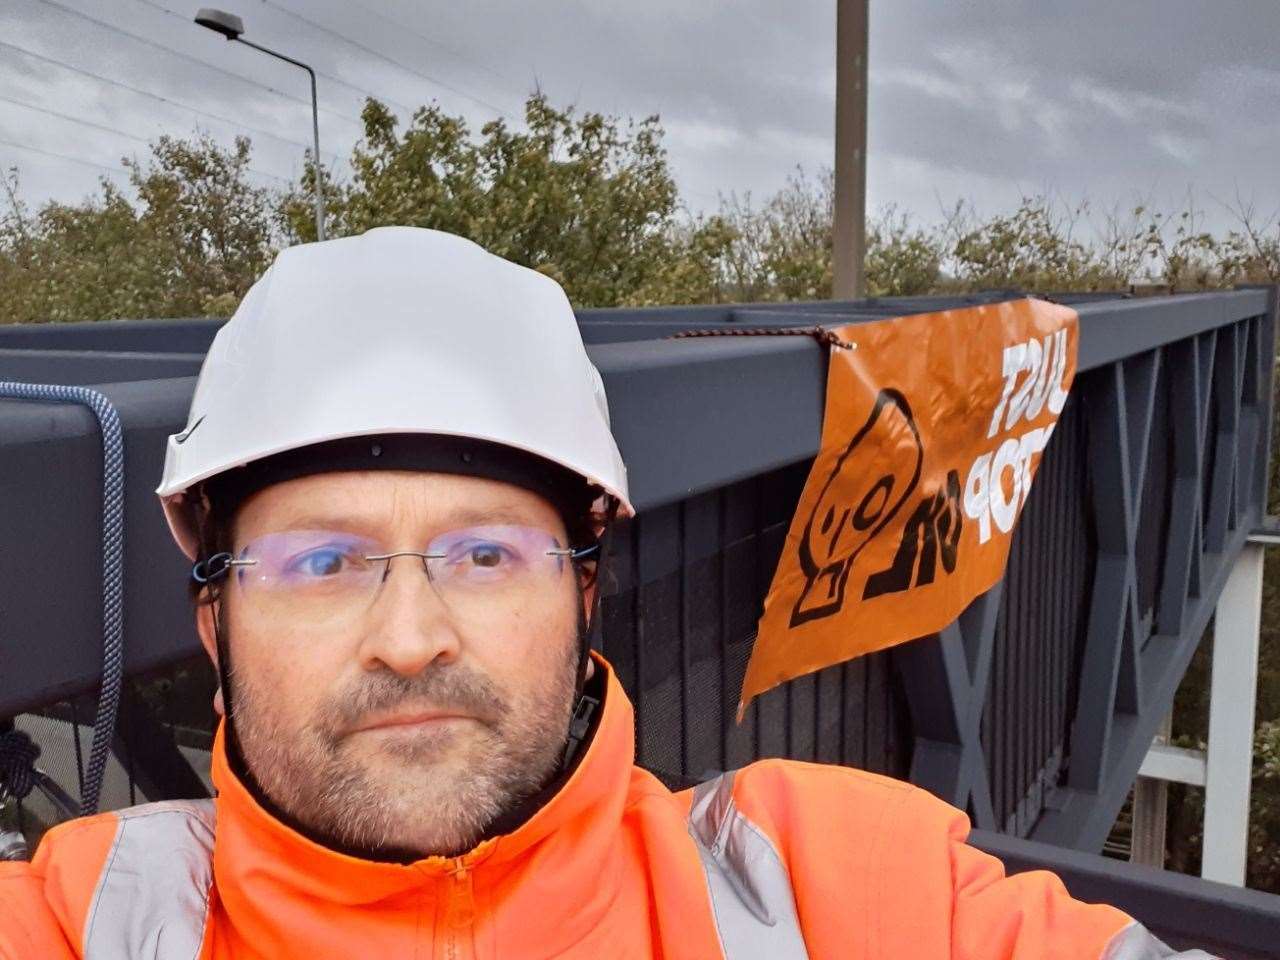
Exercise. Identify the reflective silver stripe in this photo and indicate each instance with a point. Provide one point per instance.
(152, 900)
(750, 890)
(1136, 942)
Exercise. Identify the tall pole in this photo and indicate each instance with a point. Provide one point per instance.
(315, 130)
(315, 126)
(230, 27)
(849, 240)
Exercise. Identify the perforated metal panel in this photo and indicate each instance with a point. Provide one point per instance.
(688, 586)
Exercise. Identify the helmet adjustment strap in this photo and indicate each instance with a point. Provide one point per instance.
(579, 727)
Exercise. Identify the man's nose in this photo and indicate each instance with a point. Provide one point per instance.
(409, 626)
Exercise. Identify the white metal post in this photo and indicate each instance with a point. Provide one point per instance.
(1233, 693)
(1151, 812)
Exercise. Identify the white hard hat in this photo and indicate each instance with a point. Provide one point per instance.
(400, 330)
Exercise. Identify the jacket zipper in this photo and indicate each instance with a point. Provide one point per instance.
(460, 914)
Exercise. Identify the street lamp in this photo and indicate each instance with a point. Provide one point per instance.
(232, 27)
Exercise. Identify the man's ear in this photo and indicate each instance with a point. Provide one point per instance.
(208, 634)
(205, 628)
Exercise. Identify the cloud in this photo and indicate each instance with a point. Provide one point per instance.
(968, 98)
(1130, 106)
(1182, 149)
(929, 84)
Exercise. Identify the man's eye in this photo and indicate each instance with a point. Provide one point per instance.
(320, 563)
(486, 555)
(480, 555)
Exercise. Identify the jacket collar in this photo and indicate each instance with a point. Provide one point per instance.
(258, 859)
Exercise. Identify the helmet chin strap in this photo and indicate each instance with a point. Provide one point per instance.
(223, 665)
(584, 706)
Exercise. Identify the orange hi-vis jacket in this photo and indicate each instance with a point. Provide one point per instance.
(778, 860)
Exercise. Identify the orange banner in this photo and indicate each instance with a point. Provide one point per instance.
(933, 431)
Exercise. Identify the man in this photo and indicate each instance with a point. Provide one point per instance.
(396, 472)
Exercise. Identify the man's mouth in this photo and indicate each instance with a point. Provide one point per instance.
(408, 720)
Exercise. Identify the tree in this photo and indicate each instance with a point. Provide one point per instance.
(583, 199)
(192, 243)
(586, 198)
(783, 250)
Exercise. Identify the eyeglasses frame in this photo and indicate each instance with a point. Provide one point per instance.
(203, 570)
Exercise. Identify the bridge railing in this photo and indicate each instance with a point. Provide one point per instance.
(1033, 711)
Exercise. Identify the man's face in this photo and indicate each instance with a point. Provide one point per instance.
(407, 720)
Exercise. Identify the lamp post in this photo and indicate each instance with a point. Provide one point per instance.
(232, 27)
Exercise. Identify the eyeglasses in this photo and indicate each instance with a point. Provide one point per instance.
(320, 575)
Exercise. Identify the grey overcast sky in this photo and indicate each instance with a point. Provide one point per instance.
(983, 101)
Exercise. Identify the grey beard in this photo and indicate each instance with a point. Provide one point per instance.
(415, 809)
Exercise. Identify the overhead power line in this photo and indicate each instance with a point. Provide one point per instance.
(391, 60)
(116, 170)
(239, 124)
(186, 56)
(320, 73)
(451, 51)
(68, 117)
(119, 133)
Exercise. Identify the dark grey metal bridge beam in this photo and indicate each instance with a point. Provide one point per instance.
(946, 684)
(690, 416)
(1133, 664)
(188, 335)
(51, 529)
(70, 367)
(1218, 350)
(1186, 912)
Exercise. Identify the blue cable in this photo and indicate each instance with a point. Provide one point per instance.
(112, 566)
